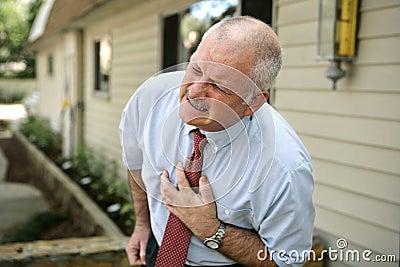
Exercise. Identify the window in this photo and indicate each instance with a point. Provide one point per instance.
(50, 65)
(102, 64)
(171, 41)
(260, 9)
(184, 30)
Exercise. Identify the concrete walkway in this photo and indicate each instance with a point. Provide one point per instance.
(18, 201)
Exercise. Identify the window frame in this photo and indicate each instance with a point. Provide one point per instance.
(102, 81)
(50, 65)
(243, 8)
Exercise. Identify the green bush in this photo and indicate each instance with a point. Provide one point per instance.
(39, 132)
(11, 98)
(82, 160)
(102, 182)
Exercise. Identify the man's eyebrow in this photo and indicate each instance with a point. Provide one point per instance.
(221, 86)
(195, 65)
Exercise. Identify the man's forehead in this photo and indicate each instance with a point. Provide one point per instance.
(215, 68)
(220, 73)
(224, 52)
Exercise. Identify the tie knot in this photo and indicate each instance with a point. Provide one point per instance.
(200, 140)
(194, 165)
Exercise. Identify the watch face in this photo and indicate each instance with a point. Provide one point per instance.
(212, 244)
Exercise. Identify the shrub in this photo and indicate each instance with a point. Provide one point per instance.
(11, 98)
(39, 132)
(97, 175)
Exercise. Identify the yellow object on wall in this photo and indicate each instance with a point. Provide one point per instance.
(65, 103)
(346, 28)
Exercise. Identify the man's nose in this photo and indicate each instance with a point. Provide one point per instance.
(199, 89)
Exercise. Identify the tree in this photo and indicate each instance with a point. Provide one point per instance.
(16, 19)
(33, 10)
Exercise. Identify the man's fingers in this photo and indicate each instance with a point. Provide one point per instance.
(181, 177)
(205, 190)
(136, 256)
(165, 183)
(165, 186)
(133, 256)
(165, 175)
(184, 195)
(169, 191)
(142, 253)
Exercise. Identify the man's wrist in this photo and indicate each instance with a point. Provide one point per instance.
(215, 241)
(142, 224)
(205, 229)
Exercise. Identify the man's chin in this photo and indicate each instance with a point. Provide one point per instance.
(189, 113)
(204, 123)
(198, 121)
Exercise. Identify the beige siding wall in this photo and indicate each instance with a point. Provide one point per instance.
(136, 37)
(51, 88)
(352, 133)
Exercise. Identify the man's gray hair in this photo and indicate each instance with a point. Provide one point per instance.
(259, 37)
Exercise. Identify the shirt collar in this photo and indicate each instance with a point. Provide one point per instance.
(221, 138)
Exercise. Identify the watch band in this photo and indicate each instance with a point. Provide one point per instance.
(215, 241)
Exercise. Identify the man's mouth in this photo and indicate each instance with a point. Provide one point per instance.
(198, 103)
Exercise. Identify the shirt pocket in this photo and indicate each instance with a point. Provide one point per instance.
(239, 217)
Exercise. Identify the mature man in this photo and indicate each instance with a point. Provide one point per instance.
(218, 177)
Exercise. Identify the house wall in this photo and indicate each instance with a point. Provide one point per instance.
(352, 133)
(51, 88)
(136, 41)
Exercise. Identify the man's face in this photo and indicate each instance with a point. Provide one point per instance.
(215, 87)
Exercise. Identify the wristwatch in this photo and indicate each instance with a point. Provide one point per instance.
(215, 241)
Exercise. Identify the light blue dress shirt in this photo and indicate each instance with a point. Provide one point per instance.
(259, 170)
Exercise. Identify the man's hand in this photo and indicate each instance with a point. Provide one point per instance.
(136, 247)
(196, 210)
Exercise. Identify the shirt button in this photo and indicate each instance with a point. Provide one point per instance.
(227, 212)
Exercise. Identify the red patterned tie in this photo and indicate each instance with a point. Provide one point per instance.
(175, 243)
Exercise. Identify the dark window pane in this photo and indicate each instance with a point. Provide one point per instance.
(260, 9)
(170, 41)
(97, 65)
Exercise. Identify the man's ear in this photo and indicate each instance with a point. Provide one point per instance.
(256, 102)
